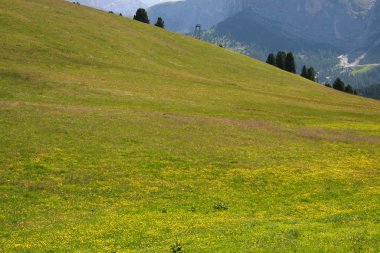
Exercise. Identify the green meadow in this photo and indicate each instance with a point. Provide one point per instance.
(117, 136)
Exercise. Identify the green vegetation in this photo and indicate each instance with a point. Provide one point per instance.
(271, 59)
(160, 23)
(283, 60)
(325, 60)
(341, 86)
(366, 80)
(142, 16)
(117, 136)
(176, 248)
(362, 69)
(372, 91)
(290, 63)
(309, 73)
(349, 89)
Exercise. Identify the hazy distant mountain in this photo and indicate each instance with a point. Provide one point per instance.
(182, 16)
(266, 34)
(154, 2)
(323, 21)
(126, 7)
(372, 46)
(257, 36)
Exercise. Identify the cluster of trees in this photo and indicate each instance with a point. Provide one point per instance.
(142, 16)
(120, 14)
(286, 61)
(309, 73)
(283, 60)
(341, 86)
(366, 82)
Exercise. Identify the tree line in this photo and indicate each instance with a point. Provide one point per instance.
(309, 73)
(341, 86)
(142, 16)
(286, 61)
(283, 60)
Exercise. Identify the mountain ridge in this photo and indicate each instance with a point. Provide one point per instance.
(353, 8)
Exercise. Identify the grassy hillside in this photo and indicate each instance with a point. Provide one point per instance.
(119, 136)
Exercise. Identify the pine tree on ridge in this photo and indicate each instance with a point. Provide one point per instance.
(141, 15)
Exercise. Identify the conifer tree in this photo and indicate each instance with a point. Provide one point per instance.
(290, 63)
(339, 84)
(160, 22)
(271, 59)
(311, 74)
(141, 15)
(305, 72)
(280, 60)
(349, 89)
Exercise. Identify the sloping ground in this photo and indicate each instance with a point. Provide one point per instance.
(125, 7)
(119, 136)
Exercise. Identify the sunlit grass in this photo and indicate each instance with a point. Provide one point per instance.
(118, 136)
